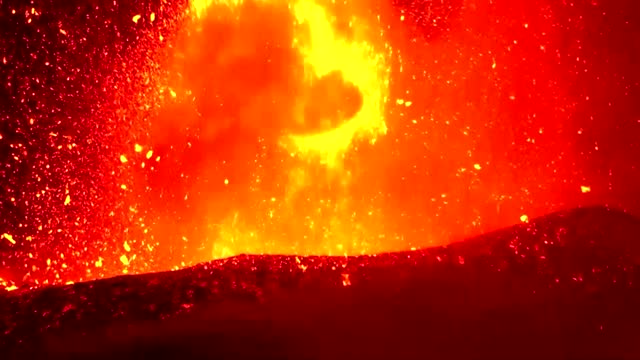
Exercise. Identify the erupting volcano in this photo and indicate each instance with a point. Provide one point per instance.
(358, 175)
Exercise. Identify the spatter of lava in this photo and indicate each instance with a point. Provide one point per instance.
(146, 137)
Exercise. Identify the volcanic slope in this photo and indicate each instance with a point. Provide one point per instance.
(561, 286)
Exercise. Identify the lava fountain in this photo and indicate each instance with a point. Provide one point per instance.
(297, 100)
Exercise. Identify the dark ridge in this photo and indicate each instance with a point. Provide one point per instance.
(561, 286)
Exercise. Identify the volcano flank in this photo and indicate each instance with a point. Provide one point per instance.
(562, 286)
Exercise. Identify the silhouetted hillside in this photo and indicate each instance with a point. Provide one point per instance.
(564, 286)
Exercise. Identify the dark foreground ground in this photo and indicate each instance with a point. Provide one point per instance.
(566, 286)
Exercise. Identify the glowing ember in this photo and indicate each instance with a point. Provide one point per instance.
(9, 238)
(148, 138)
(345, 280)
(7, 286)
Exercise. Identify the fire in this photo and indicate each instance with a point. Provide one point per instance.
(359, 64)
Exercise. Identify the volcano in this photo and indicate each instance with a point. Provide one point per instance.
(563, 286)
(369, 151)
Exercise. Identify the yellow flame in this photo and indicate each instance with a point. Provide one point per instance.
(360, 65)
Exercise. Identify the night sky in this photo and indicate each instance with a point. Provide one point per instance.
(152, 135)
